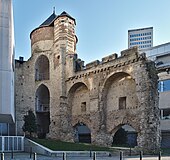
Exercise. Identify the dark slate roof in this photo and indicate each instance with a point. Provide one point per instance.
(49, 20)
(52, 17)
(66, 14)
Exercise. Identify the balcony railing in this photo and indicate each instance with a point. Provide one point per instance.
(41, 76)
(42, 108)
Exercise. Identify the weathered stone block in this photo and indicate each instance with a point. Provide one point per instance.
(109, 58)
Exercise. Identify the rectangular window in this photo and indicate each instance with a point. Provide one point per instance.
(4, 129)
(83, 106)
(165, 113)
(122, 103)
(164, 86)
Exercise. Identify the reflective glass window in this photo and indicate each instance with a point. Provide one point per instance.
(164, 86)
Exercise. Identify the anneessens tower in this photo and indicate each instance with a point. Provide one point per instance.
(7, 118)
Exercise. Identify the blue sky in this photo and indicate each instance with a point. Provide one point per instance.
(102, 25)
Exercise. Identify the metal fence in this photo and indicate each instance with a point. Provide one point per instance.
(64, 156)
(11, 143)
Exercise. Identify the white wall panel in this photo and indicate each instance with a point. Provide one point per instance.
(6, 62)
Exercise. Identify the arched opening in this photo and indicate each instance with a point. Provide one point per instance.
(82, 133)
(125, 136)
(120, 92)
(119, 96)
(42, 68)
(79, 100)
(42, 108)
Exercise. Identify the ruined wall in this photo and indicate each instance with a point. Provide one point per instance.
(80, 101)
(129, 77)
(24, 92)
(104, 95)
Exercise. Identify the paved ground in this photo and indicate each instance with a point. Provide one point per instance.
(26, 156)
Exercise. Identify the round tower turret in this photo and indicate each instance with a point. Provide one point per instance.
(43, 36)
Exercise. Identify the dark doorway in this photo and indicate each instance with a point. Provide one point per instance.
(82, 133)
(125, 136)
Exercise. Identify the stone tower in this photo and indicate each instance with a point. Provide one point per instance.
(53, 46)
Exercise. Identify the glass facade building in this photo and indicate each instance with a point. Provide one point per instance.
(143, 38)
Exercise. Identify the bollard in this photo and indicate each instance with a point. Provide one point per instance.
(12, 154)
(90, 153)
(141, 155)
(130, 152)
(159, 155)
(2, 156)
(121, 155)
(34, 156)
(64, 156)
(94, 156)
(30, 152)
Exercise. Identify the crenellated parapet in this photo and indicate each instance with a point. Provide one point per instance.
(110, 62)
(109, 58)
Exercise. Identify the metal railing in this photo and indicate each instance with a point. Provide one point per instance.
(42, 108)
(41, 76)
(65, 156)
(11, 143)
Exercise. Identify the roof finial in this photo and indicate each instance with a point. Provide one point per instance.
(54, 10)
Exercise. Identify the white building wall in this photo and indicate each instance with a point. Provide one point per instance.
(6, 62)
(159, 50)
(161, 55)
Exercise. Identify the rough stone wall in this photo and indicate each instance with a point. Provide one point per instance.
(25, 83)
(24, 92)
(91, 95)
(127, 76)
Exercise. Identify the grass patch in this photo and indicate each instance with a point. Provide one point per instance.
(122, 145)
(69, 146)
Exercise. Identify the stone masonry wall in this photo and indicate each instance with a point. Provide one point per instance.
(104, 95)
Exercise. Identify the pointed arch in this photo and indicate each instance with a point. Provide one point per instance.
(42, 108)
(42, 99)
(42, 68)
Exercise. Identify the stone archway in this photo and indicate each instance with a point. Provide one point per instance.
(120, 92)
(79, 109)
(82, 133)
(124, 135)
(42, 108)
(127, 101)
(79, 103)
(42, 68)
(119, 100)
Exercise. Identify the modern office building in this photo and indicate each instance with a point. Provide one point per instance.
(161, 55)
(142, 37)
(7, 117)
